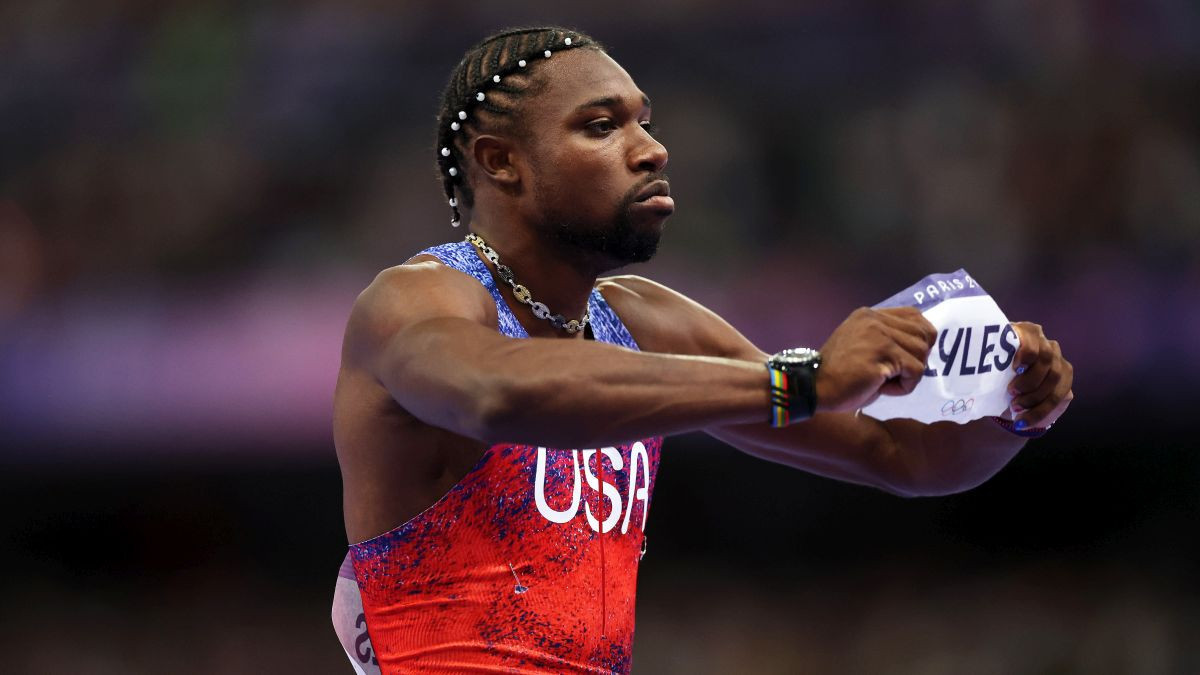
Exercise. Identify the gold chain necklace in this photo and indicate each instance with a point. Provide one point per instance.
(522, 294)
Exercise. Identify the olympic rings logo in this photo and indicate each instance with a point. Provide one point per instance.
(954, 407)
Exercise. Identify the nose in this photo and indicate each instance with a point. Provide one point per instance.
(649, 155)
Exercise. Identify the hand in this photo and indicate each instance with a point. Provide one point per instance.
(873, 352)
(1041, 390)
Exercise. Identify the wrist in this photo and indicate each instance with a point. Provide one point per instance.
(792, 390)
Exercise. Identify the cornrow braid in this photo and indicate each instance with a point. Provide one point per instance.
(484, 92)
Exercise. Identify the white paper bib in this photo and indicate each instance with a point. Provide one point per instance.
(971, 362)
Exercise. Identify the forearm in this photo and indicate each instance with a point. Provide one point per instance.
(903, 457)
(945, 457)
(570, 393)
(597, 395)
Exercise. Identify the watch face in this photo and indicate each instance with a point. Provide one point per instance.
(802, 356)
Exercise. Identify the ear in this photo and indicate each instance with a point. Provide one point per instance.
(496, 158)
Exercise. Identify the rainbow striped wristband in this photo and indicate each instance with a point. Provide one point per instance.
(780, 416)
(792, 387)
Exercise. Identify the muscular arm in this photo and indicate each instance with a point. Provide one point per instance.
(904, 457)
(900, 456)
(424, 332)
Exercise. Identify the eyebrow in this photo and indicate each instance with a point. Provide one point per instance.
(609, 102)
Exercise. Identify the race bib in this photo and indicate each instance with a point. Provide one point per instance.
(970, 365)
(350, 622)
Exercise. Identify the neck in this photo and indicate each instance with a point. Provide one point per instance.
(554, 278)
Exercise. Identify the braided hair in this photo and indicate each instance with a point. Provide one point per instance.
(484, 93)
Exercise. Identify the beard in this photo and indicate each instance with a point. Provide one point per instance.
(613, 243)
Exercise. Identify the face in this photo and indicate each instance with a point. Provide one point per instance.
(594, 169)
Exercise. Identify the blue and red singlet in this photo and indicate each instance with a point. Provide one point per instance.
(527, 565)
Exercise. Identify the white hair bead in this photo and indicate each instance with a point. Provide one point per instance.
(455, 126)
(453, 171)
(567, 42)
(521, 63)
(479, 96)
(445, 152)
(496, 79)
(455, 223)
(462, 115)
(453, 202)
(547, 53)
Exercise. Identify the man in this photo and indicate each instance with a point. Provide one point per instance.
(499, 487)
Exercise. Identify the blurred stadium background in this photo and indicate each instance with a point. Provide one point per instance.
(192, 194)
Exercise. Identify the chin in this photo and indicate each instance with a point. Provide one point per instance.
(635, 240)
(622, 241)
(639, 248)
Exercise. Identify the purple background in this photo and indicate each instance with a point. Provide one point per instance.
(192, 194)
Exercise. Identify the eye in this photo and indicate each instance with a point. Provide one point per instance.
(650, 127)
(602, 127)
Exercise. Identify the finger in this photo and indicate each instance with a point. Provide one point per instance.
(1043, 391)
(911, 321)
(1059, 379)
(1035, 372)
(904, 374)
(1046, 412)
(1032, 340)
(912, 344)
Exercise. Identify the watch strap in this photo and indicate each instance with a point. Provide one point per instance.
(792, 387)
(781, 396)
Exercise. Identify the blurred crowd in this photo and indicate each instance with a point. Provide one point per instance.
(151, 143)
(822, 157)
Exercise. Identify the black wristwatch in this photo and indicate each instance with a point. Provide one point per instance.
(793, 385)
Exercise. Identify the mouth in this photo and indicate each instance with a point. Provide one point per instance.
(657, 197)
(658, 188)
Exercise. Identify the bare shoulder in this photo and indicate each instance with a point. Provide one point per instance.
(664, 320)
(634, 286)
(405, 295)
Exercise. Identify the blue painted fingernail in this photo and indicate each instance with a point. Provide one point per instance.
(1020, 424)
(1021, 370)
